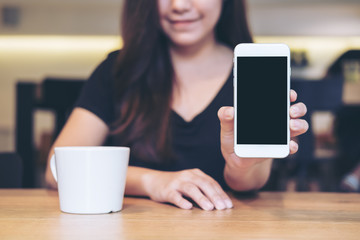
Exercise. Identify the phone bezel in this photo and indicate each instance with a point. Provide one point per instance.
(261, 50)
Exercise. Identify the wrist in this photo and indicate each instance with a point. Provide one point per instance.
(251, 175)
(148, 181)
(237, 178)
(139, 181)
(243, 165)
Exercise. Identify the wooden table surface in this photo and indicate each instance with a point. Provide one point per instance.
(35, 214)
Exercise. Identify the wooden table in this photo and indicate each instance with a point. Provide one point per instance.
(35, 214)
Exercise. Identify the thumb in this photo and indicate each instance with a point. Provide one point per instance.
(226, 117)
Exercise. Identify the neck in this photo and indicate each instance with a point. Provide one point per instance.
(198, 50)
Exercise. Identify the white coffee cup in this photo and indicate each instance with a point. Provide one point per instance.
(91, 180)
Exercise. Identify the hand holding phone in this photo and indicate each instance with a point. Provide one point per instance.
(261, 100)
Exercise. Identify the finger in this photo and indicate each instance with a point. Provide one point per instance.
(298, 127)
(212, 190)
(293, 95)
(293, 147)
(175, 198)
(192, 191)
(215, 194)
(226, 117)
(298, 110)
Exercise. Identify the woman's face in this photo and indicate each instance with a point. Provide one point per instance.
(188, 22)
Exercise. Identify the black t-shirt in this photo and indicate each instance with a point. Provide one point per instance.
(196, 144)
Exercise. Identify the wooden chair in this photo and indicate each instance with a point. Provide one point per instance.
(55, 94)
(11, 170)
(318, 95)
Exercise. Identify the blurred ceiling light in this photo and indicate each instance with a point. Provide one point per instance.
(11, 43)
(60, 43)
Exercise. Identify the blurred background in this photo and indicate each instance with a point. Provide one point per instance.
(49, 47)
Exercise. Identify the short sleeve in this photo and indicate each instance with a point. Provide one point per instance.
(97, 94)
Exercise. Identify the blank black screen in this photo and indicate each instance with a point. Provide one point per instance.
(262, 100)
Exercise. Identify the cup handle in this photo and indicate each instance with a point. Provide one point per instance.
(53, 166)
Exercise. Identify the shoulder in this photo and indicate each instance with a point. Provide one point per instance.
(111, 58)
(106, 67)
(113, 55)
(97, 93)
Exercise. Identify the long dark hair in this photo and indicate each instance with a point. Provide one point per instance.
(144, 75)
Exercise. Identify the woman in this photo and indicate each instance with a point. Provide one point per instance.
(163, 96)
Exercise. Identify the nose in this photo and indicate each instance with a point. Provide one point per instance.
(181, 6)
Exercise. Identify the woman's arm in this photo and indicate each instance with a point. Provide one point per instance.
(83, 128)
(244, 174)
(247, 178)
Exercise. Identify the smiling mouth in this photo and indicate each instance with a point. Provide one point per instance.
(183, 21)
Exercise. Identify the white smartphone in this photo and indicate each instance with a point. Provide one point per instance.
(261, 100)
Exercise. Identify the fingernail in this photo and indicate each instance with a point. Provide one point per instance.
(209, 206)
(294, 111)
(228, 203)
(187, 205)
(228, 113)
(294, 148)
(295, 125)
(220, 205)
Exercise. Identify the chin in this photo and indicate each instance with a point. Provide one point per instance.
(185, 40)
